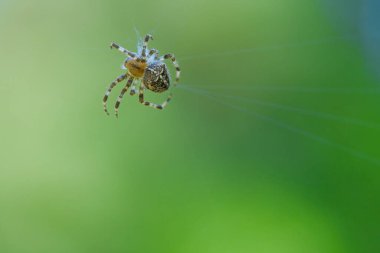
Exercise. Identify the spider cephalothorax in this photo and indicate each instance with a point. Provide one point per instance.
(150, 69)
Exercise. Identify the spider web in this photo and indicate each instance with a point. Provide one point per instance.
(220, 99)
(216, 94)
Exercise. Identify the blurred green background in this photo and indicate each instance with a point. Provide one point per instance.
(271, 143)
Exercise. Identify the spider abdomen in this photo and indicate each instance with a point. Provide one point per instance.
(156, 77)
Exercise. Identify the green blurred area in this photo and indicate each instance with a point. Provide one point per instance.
(207, 174)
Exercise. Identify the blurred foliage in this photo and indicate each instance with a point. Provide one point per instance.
(271, 144)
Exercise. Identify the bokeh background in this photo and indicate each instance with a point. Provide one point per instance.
(271, 143)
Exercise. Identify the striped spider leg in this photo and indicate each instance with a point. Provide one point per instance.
(156, 56)
(150, 104)
(145, 45)
(133, 88)
(176, 65)
(154, 52)
(112, 85)
(126, 87)
(123, 50)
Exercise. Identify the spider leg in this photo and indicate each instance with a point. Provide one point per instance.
(156, 56)
(150, 104)
(175, 63)
(129, 83)
(112, 85)
(152, 52)
(123, 50)
(133, 89)
(146, 40)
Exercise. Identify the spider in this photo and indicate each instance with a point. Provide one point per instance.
(149, 69)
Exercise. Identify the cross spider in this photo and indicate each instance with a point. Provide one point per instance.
(150, 69)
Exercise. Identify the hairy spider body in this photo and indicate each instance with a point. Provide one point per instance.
(156, 77)
(135, 68)
(149, 69)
